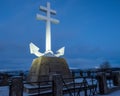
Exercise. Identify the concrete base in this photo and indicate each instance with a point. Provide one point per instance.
(44, 67)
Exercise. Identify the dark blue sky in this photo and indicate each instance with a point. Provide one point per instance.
(89, 30)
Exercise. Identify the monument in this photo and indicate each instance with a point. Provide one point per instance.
(47, 63)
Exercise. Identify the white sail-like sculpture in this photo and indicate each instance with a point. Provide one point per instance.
(33, 48)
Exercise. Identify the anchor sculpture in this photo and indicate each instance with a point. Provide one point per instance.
(33, 48)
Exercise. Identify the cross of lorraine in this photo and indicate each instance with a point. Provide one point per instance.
(33, 48)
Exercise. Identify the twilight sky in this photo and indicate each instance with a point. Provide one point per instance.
(89, 30)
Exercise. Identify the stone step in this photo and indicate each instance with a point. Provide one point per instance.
(35, 88)
(44, 93)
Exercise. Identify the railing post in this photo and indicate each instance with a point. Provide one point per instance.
(103, 89)
(85, 86)
(16, 87)
(116, 78)
(57, 85)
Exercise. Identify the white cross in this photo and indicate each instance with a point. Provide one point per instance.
(48, 20)
(33, 48)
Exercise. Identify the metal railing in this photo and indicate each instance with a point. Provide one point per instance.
(85, 86)
(84, 83)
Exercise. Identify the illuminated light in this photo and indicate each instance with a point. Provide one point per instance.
(48, 52)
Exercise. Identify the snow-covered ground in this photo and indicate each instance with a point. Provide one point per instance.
(116, 93)
(4, 91)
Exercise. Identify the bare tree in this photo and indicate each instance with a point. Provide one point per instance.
(105, 65)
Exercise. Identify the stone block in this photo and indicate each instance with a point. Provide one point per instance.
(43, 68)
